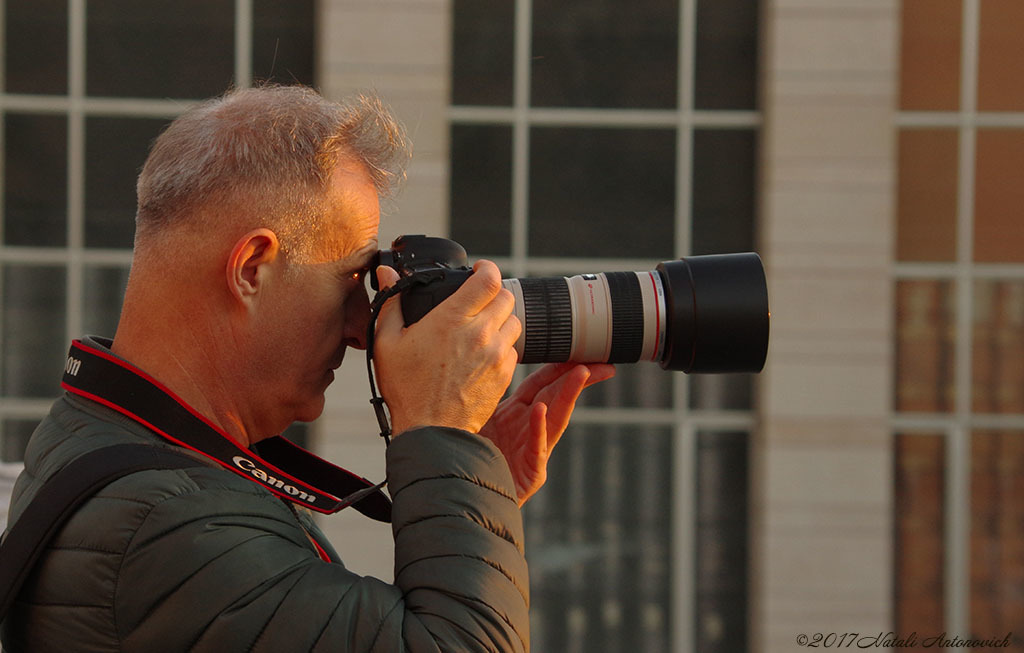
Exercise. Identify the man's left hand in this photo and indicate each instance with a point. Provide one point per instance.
(527, 425)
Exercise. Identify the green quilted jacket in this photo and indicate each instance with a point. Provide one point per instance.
(202, 559)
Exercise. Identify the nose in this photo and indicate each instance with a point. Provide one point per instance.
(357, 318)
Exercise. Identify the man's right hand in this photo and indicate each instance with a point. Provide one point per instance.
(452, 367)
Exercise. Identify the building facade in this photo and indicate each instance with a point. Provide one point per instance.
(868, 481)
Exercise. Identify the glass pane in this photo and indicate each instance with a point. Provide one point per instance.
(102, 295)
(599, 544)
(481, 188)
(998, 196)
(605, 53)
(723, 191)
(1000, 56)
(35, 180)
(727, 54)
(925, 320)
(160, 48)
(15, 435)
(919, 513)
(997, 532)
(34, 346)
(721, 391)
(635, 385)
(930, 55)
(283, 41)
(722, 541)
(602, 192)
(998, 353)
(482, 51)
(36, 46)
(927, 192)
(115, 149)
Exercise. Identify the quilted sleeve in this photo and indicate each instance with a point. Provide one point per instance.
(201, 576)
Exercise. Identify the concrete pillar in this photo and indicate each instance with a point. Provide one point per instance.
(400, 49)
(823, 481)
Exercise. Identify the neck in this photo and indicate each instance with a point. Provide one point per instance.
(188, 361)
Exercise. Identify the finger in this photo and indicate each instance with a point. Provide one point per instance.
(510, 330)
(390, 319)
(386, 276)
(478, 291)
(599, 372)
(566, 391)
(538, 431)
(540, 379)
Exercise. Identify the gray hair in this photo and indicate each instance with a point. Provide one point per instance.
(265, 152)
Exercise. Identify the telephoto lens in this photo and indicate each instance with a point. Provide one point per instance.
(698, 314)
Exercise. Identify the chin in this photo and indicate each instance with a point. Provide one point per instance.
(310, 411)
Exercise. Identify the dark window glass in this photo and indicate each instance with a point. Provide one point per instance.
(721, 391)
(643, 385)
(727, 53)
(482, 52)
(723, 191)
(605, 53)
(481, 188)
(283, 41)
(602, 192)
(35, 180)
(598, 541)
(160, 48)
(36, 46)
(33, 326)
(15, 435)
(102, 294)
(115, 150)
(919, 529)
(722, 549)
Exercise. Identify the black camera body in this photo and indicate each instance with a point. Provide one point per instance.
(696, 314)
(441, 266)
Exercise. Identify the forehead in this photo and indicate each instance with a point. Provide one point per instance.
(354, 214)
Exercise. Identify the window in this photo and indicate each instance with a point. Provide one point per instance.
(959, 390)
(86, 88)
(590, 136)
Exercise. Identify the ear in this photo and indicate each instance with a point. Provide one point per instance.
(250, 262)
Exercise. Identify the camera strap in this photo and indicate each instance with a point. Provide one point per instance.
(280, 466)
(379, 405)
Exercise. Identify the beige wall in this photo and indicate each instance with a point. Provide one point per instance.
(399, 48)
(823, 489)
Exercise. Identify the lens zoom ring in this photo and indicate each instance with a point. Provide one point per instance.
(548, 320)
(627, 317)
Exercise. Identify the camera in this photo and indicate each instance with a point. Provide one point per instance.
(698, 314)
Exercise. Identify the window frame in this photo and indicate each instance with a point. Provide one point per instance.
(685, 422)
(958, 426)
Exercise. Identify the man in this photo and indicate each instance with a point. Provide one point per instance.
(257, 221)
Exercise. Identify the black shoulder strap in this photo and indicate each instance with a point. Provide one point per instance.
(61, 495)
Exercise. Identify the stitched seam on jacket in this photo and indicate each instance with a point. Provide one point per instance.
(124, 554)
(487, 562)
(483, 645)
(266, 624)
(132, 542)
(455, 477)
(507, 535)
(387, 615)
(334, 613)
(473, 599)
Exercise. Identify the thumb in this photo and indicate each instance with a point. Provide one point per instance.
(390, 317)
